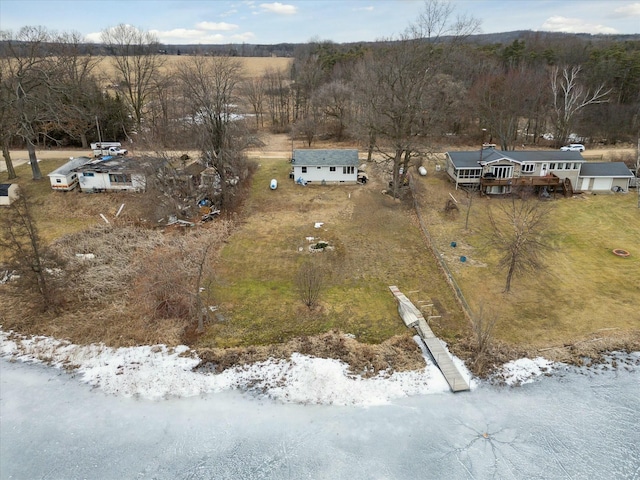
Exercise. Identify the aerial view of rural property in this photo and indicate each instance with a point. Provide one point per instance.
(320, 239)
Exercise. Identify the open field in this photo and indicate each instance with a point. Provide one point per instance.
(251, 66)
(586, 299)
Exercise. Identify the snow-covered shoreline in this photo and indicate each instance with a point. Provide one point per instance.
(157, 372)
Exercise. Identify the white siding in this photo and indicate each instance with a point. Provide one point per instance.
(320, 174)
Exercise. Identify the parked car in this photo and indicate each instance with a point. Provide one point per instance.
(573, 147)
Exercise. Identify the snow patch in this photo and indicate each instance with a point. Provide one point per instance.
(525, 370)
(157, 372)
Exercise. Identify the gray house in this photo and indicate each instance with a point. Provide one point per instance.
(497, 172)
(325, 166)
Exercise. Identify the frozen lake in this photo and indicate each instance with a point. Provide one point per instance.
(570, 425)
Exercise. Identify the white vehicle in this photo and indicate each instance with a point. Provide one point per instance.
(104, 145)
(573, 147)
(109, 151)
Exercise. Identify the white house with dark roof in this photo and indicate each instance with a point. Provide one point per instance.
(325, 166)
(497, 172)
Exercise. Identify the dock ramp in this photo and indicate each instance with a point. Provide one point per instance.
(413, 318)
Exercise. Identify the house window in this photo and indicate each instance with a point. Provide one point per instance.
(119, 178)
(502, 171)
(552, 166)
(528, 167)
(332, 169)
(348, 170)
(87, 174)
(58, 180)
(304, 169)
(470, 173)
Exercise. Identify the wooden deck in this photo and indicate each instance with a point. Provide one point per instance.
(413, 318)
(549, 180)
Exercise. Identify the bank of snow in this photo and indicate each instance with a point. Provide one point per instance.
(156, 372)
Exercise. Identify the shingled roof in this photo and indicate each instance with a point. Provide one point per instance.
(331, 158)
(471, 159)
(605, 169)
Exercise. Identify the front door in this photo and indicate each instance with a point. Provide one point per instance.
(544, 169)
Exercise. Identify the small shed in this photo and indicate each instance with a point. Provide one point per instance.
(8, 193)
(325, 166)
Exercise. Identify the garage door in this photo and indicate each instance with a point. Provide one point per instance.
(602, 184)
(585, 183)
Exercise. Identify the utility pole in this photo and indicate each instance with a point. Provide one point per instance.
(99, 134)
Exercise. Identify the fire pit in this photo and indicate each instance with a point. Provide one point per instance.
(620, 252)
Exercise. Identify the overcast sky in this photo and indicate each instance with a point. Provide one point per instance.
(298, 21)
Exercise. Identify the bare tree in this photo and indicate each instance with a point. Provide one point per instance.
(76, 93)
(307, 128)
(334, 100)
(252, 90)
(278, 98)
(402, 91)
(570, 97)
(7, 120)
(137, 62)
(27, 72)
(483, 325)
(26, 252)
(503, 99)
(518, 233)
(437, 21)
(210, 85)
(309, 283)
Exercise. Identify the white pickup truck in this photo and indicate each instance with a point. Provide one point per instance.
(109, 151)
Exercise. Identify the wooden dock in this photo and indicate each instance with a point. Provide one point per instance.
(413, 318)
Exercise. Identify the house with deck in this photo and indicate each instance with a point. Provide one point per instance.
(111, 174)
(496, 172)
(325, 166)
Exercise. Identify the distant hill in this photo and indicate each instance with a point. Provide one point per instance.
(288, 49)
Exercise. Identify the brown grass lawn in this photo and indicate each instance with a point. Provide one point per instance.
(584, 292)
(585, 297)
(375, 244)
(61, 213)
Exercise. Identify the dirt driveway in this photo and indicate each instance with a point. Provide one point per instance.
(279, 146)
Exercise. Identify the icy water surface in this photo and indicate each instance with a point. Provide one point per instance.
(568, 426)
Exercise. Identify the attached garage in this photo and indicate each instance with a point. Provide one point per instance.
(604, 177)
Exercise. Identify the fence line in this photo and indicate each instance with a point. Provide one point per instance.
(436, 253)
